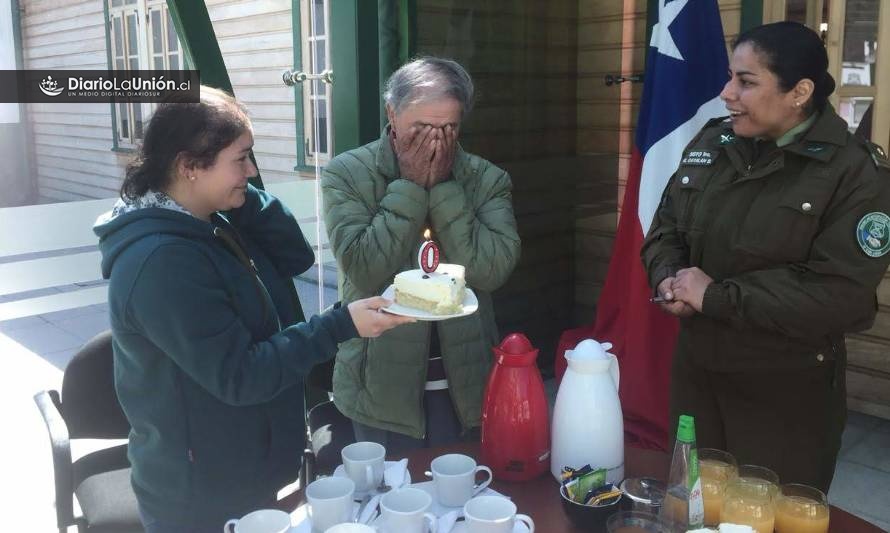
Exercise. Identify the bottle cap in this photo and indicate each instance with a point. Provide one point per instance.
(686, 429)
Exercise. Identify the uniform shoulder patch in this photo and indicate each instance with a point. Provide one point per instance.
(873, 234)
(878, 155)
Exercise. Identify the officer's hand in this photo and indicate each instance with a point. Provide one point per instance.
(672, 306)
(370, 321)
(689, 286)
(414, 150)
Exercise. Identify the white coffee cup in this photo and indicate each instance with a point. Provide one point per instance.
(493, 514)
(405, 511)
(363, 463)
(351, 527)
(261, 521)
(330, 502)
(454, 476)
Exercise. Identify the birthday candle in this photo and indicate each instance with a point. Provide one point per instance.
(428, 256)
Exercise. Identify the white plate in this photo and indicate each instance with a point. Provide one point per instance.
(359, 494)
(468, 307)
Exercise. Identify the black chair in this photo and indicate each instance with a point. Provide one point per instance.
(328, 430)
(88, 409)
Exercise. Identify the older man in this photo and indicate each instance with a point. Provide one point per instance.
(420, 385)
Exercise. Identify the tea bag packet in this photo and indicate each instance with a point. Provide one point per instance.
(569, 473)
(581, 482)
(603, 495)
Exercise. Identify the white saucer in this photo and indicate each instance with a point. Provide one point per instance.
(468, 307)
(378, 523)
(441, 510)
(461, 527)
(359, 494)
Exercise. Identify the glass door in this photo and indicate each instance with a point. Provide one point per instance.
(301, 192)
(853, 31)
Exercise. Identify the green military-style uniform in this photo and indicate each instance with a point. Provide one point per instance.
(795, 234)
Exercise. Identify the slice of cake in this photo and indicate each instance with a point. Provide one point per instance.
(440, 292)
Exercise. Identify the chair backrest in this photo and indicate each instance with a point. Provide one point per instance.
(89, 401)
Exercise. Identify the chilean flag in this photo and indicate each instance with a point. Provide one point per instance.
(686, 68)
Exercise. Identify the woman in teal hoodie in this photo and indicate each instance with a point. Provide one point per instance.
(209, 361)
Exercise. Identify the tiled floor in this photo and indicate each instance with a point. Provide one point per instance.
(35, 350)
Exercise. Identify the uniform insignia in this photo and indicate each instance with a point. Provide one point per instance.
(873, 234)
(727, 138)
(815, 148)
(699, 158)
(878, 155)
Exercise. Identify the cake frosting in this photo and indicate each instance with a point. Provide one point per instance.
(440, 292)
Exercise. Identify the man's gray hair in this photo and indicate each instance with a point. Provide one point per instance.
(427, 79)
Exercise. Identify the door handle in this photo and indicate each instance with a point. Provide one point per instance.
(291, 78)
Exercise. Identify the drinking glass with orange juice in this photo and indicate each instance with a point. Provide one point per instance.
(801, 509)
(762, 473)
(716, 468)
(749, 501)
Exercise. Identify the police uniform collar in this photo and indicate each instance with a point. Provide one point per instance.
(792, 134)
(821, 141)
(828, 128)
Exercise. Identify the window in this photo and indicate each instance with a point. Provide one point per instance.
(142, 36)
(314, 28)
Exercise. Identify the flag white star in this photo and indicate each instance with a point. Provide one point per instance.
(661, 35)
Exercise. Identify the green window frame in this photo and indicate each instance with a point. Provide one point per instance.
(139, 35)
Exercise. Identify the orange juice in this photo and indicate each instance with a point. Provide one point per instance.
(749, 503)
(712, 493)
(760, 517)
(797, 514)
(714, 476)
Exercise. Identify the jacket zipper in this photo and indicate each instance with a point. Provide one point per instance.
(237, 248)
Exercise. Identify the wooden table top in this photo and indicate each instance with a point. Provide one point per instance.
(539, 498)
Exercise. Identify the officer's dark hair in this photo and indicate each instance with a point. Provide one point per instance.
(793, 52)
(193, 132)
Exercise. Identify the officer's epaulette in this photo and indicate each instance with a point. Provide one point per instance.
(878, 155)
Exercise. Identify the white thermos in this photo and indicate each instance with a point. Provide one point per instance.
(587, 424)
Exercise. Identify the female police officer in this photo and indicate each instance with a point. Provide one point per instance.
(769, 243)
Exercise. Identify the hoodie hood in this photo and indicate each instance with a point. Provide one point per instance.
(153, 214)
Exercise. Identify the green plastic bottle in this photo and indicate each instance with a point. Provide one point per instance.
(683, 506)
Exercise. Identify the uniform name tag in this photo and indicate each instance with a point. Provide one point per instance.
(699, 158)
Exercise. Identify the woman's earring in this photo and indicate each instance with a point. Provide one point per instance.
(796, 104)
(192, 178)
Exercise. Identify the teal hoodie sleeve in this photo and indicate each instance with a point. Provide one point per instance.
(266, 222)
(179, 303)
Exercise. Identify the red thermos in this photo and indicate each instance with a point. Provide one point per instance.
(515, 424)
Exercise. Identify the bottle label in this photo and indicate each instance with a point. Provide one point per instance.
(696, 506)
(696, 500)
